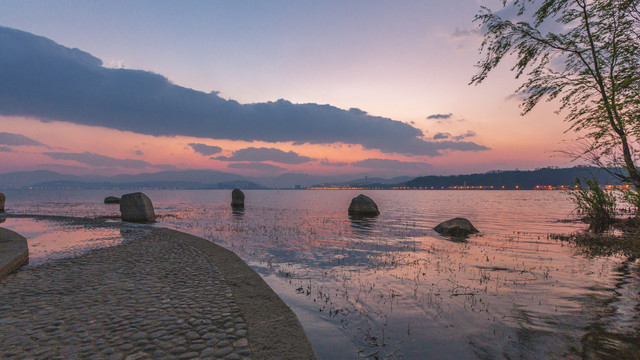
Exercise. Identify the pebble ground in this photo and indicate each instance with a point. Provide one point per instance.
(150, 298)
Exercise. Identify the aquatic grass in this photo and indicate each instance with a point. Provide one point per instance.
(603, 245)
(597, 206)
(395, 277)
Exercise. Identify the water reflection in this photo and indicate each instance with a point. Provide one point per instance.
(54, 237)
(395, 289)
(362, 225)
(237, 212)
(614, 331)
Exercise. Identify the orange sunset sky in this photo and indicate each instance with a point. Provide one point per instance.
(121, 101)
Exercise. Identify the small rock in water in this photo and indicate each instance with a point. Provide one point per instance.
(237, 199)
(112, 200)
(457, 227)
(137, 207)
(363, 205)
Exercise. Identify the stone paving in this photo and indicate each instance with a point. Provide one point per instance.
(150, 298)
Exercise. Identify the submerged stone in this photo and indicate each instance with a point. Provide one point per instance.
(457, 227)
(362, 205)
(137, 207)
(112, 200)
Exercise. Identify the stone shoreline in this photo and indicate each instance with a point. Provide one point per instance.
(168, 295)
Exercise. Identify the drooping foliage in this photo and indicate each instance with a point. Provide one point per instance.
(583, 53)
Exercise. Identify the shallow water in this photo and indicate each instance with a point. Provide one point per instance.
(390, 287)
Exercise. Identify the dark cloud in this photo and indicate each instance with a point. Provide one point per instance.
(439, 116)
(98, 160)
(441, 135)
(326, 162)
(204, 149)
(265, 154)
(42, 79)
(256, 166)
(466, 33)
(5, 149)
(517, 96)
(139, 152)
(461, 146)
(394, 165)
(17, 139)
(357, 111)
(469, 133)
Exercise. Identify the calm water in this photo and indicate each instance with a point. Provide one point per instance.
(390, 287)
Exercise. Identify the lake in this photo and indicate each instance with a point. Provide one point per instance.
(390, 287)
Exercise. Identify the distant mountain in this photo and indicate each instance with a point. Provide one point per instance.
(165, 179)
(15, 180)
(377, 180)
(366, 182)
(511, 179)
(185, 179)
(145, 185)
(304, 180)
(209, 179)
(192, 176)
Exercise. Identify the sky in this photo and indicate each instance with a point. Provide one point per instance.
(260, 88)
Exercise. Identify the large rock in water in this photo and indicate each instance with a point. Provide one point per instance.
(137, 207)
(363, 205)
(2, 198)
(237, 199)
(458, 227)
(112, 200)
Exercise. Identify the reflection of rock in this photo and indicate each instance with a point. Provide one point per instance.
(2, 198)
(112, 200)
(362, 205)
(237, 199)
(457, 227)
(237, 212)
(137, 207)
(362, 225)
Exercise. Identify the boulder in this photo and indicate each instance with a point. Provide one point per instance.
(457, 227)
(112, 200)
(2, 198)
(137, 207)
(14, 252)
(363, 205)
(237, 199)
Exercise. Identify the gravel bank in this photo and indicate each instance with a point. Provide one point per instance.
(163, 296)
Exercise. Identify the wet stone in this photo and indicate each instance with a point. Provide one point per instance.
(207, 352)
(137, 356)
(241, 343)
(197, 347)
(224, 343)
(223, 352)
(212, 342)
(178, 350)
(192, 335)
(189, 355)
(126, 347)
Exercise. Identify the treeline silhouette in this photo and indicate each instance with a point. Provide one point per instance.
(516, 178)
